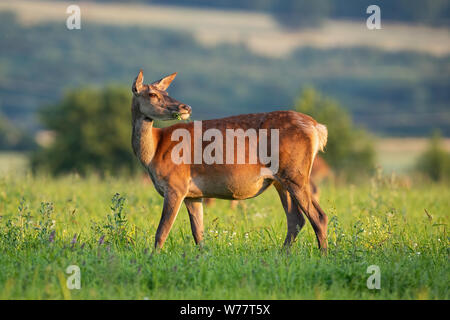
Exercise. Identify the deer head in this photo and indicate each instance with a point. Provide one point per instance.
(152, 100)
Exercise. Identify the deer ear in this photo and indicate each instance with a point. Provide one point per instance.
(164, 83)
(138, 82)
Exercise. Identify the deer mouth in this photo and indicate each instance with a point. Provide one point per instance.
(182, 113)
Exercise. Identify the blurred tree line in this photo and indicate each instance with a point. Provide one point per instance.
(299, 13)
(92, 129)
(93, 133)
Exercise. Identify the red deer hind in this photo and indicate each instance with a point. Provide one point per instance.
(300, 137)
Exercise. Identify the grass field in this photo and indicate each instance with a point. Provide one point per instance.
(48, 224)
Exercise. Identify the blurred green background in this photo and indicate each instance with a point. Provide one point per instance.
(382, 92)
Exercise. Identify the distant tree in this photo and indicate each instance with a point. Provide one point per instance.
(13, 138)
(349, 149)
(92, 133)
(435, 161)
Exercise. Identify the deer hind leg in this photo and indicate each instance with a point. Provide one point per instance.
(172, 203)
(295, 219)
(301, 194)
(195, 210)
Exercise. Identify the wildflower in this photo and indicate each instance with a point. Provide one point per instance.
(52, 237)
(101, 240)
(74, 239)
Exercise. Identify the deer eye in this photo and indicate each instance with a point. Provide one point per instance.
(153, 95)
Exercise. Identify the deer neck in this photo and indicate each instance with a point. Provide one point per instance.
(144, 138)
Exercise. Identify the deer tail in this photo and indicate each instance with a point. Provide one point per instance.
(322, 134)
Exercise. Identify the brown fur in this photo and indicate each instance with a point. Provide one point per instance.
(320, 171)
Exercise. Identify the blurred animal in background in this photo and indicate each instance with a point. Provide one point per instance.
(320, 171)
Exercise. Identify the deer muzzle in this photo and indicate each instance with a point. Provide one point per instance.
(182, 112)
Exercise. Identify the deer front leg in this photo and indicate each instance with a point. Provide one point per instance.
(172, 203)
(195, 210)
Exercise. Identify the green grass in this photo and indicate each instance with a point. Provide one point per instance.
(380, 223)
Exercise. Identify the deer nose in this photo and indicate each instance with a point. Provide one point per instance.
(185, 107)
